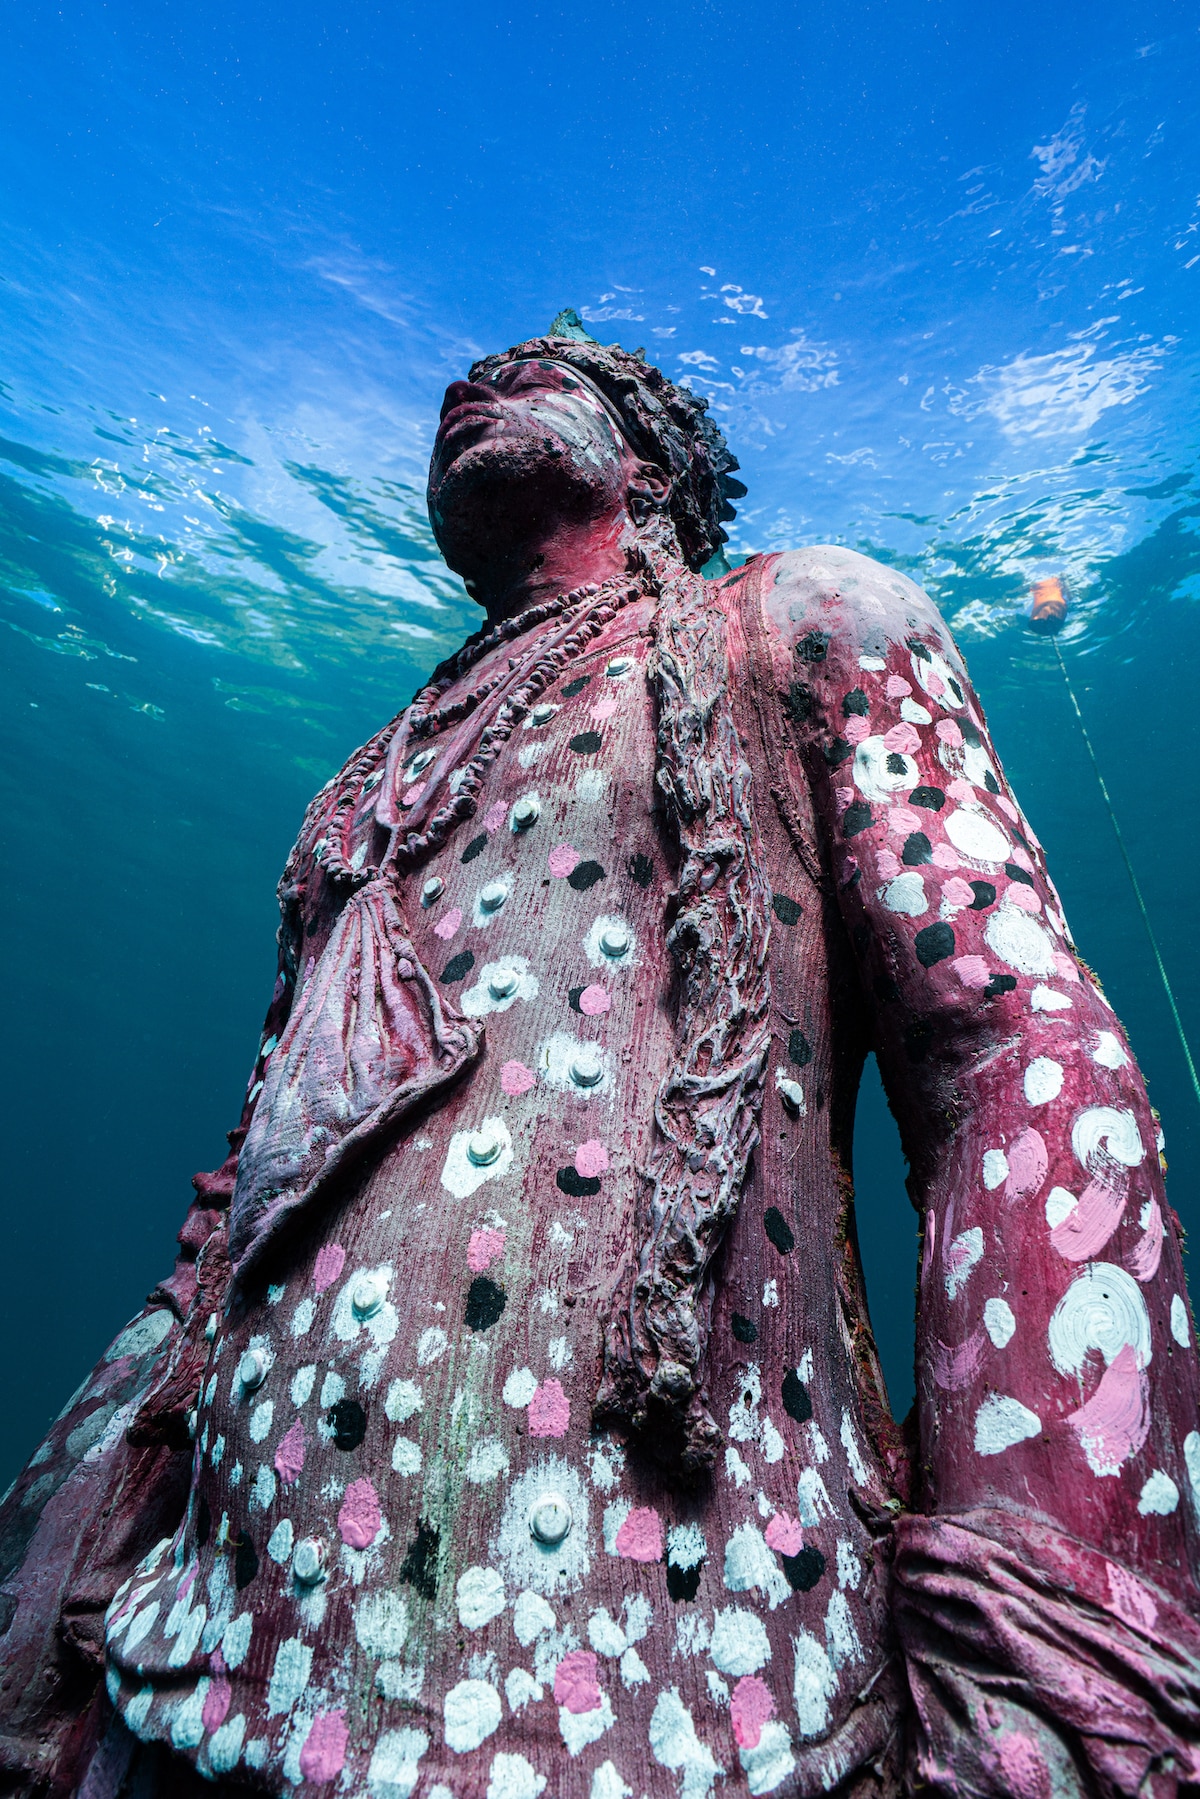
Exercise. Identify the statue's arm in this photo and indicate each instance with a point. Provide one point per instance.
(1058, 1389)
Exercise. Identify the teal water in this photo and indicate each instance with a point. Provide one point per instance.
(938, 282)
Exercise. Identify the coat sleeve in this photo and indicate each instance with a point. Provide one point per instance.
(1056, 1362)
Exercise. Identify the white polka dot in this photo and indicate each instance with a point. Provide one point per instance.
(1180, 1328)
(472, 1713)
(974, 835)
(995, 1168)
(1043, 1080)
(906, 895)
(999, 1322)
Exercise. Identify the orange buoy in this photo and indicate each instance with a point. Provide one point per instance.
(1049, 605)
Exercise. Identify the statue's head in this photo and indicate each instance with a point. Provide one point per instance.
(563, 430)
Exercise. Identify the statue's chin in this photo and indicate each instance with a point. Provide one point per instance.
(500, 495)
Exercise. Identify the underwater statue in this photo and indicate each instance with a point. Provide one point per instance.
(511, 1423)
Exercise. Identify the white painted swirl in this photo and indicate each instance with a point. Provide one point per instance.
(1116, 1130)
(1102, 1309)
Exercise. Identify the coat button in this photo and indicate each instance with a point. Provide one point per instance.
(587, 1069)
(504, 983)
(483, 1147)
(433, 889)
(525, 813)
(308, 1561)
(550, 1519)
(493, 896)
(614, 941)
(620, 665)
(370, 1291)
(419, 763)
(252, 1369)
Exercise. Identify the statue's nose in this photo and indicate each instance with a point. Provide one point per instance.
(459, 392)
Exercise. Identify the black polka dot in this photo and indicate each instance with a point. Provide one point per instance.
(857, 818)
(576, 1185)
(348, 1422)
(485, 1303)
(458, 966)
(896, 765)
(970, 733)
(683, 1583)
(931, 799)
(787, 911)
(838, 751)
(1015, 873)
(990, 782)
(799, 1048)
(245, 1561)
(985, 895)
(778, 1230)
(804, 1569)
(955, 689)
(917, 850)
(574, 997)
(796, 1402)
(813, 647)
(586, 743)
(419, 1567)
(855, 704)
(641, 870)
(743, 1328)
(934, 944)
(575, 686)
(799, 704)
(476, 847)
(585, 875)
(919, 650)
(999, 983)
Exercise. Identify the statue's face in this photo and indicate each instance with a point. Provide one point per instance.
(533, 444)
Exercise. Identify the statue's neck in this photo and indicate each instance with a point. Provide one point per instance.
(573, 556)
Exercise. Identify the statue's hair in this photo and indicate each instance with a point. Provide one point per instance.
(666, 425)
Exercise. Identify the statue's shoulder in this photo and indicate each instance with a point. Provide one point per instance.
(835, 595)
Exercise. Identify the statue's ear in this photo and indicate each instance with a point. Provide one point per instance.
(648, 487)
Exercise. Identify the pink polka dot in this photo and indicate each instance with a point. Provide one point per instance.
(289, 1457)
(331, 1259)
(785, 1534)
(591, 1158)
(944, 855)
(949, 733)
(324, 1751)
(360, 1518)
(1022, 858)
(604, 708)
(549, 1411)
(216, 1703)
(576, 1688)
(495, 816)
(897, 687)
(961, 791)
(888, 865)
(1017, 894)
(446, 926)
(935, 685)
(1028, 1162)
(1065, 966)
(842, 797)
(483, 1248)
(515, 1078)
(594, 1001)
(904, 739)
(856, 730)
(957, 892)
(640, 1538)
(749, 1709)
(972, 971)
(411, 795)
(1006, 806)
(903, 820)
(562, 860)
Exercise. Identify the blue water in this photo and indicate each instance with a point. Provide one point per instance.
(935, 264)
